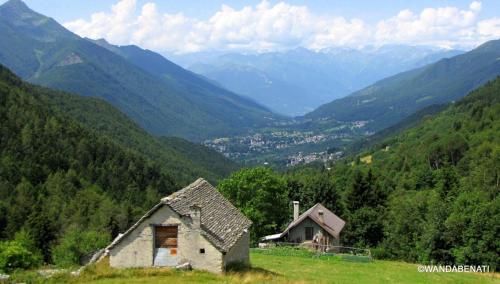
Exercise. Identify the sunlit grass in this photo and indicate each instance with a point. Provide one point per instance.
(268, 268)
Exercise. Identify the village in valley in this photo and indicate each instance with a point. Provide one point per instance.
(291, 144)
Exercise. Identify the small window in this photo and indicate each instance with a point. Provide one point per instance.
(309, 233)
(202, 250)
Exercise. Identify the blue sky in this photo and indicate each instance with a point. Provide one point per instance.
(179, 26)
(373, 10)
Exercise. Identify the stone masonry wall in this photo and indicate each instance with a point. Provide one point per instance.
(137, 248)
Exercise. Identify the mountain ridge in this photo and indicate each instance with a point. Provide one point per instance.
(107, 121)
(46, 53)
(296, 81)
(391, 99)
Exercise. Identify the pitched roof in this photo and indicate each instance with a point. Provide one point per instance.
(221, 223)
(332, 223)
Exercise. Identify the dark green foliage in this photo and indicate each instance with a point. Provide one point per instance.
(185, 160)
(310, 187)
(56, 174)
(202, 156)
(365, 201)
(13, 255)
(20, 253)
(445, 203)
(261, 195)
(75, 245)
(431, 193)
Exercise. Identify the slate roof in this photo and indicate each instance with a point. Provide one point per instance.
(221, 223)
(332, 223)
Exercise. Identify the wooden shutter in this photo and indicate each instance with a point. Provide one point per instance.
(166, 236)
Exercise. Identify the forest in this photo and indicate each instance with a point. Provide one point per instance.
(429, 194)
(64, 189)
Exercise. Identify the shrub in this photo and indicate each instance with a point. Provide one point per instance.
(76, 244)
(13, 255)
(380, 252)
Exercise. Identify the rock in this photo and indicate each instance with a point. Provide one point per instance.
(184, 266)
(78, 271)
(93, 257)
(4, 277)
(50, 272)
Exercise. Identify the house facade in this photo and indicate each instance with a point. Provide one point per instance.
(317, 225)
(195, 225)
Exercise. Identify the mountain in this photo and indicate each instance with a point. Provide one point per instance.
(392, 99)
(76, 170)
(178, 104)
(453, 181)
(107, 121)
(436, 185)
(56, 175)
(297, 81)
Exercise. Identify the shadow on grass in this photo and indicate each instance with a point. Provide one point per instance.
(244, 268)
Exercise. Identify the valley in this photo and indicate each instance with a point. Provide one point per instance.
(291, 143)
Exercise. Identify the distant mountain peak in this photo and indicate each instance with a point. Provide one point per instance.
(16, 6)
(29, 23)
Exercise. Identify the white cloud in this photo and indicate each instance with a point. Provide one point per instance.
(281, 26)
(445, 26)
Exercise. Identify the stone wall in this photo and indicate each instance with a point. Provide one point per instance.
(240, 251)
(137, 248)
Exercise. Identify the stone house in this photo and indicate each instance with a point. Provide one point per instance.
(195, 225)
(317, 225)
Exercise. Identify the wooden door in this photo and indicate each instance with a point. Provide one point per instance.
(166, 246)
(166, 237)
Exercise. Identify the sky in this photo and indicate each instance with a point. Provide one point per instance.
(174, 26)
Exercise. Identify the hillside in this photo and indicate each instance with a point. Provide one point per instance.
(176, 156)
(58, 177)
(441, 180)
(428, 194)
(380, 136)
(181, 104)
(389, 101)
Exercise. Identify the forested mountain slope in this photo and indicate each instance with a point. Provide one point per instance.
(107, 121)
(41, 51)
(176, 155)
(390, 100)
(430, 194)
(441, 180)
(58, 177)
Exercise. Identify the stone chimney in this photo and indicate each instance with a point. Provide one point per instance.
(321, 216)
(295, 210)
(195, 214)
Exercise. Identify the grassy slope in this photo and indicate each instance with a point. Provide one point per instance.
(280, 269)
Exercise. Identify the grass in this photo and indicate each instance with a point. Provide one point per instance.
(266, 268)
